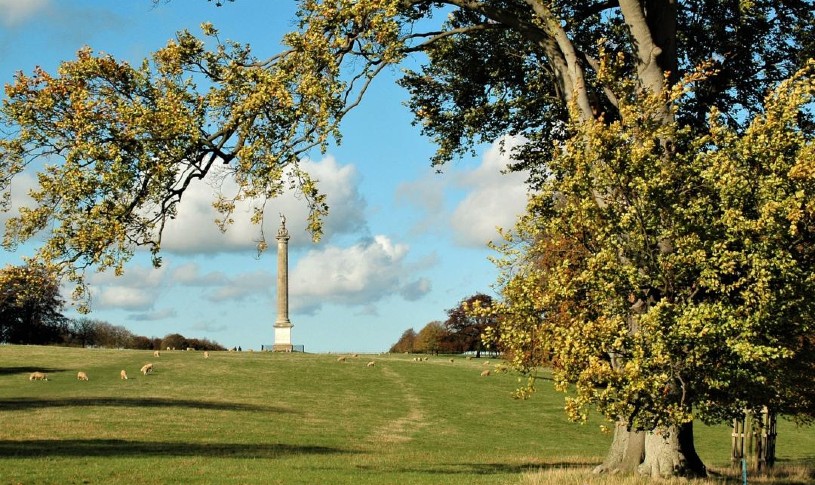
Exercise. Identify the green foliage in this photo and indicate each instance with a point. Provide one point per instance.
(30, 306)
(117, 145)
(668, 274)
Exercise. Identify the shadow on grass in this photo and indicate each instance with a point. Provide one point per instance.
(112, 447)
(6, 371)
(492, 468)
(21, 404)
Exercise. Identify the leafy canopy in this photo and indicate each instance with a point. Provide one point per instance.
(669, 273)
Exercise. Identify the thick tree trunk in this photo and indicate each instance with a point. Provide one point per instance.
(626, 453)
(670, 453)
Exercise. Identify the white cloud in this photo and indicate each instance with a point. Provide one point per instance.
(491, 198)
(136, 290)
(194, 229)
(15, 12)
(244, 286)
(364, 273)
(494, 199)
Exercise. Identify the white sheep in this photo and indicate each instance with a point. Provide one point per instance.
(371, 364)
(146, 368)
(123, 375)
(156, 353)
(206, 354)
(341, 359)
(38, 376)
(81, 376)
(485, 373)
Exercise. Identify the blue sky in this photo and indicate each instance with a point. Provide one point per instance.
(403, 244)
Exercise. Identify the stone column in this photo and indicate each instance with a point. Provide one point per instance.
(282, 326)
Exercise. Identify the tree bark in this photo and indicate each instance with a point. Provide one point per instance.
(626, 453)
(670, 452)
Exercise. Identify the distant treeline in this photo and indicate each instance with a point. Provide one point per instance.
(85, 332)
(31, 313)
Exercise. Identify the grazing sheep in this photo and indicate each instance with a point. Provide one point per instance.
(485, 373)
(341, 359)
(356, 356)
(123, 375)
(81, 376)
(452, 360)
(38, 376)
(371, 364)
(156, 354)
(206, 354)
(146, 368)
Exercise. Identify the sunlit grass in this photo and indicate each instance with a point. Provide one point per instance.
(297, 418)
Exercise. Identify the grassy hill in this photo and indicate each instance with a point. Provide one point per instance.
(294, 418)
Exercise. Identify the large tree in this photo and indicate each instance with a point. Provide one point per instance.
(31, 306)
(132, 139)
(466, 326)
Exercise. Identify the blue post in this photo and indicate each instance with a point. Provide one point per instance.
(744, 471)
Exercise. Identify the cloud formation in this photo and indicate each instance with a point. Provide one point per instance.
(493, 199)
(194, 231)
(364, 273)
(490, 198)
(16, 12)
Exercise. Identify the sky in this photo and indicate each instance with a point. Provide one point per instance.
(402, 244)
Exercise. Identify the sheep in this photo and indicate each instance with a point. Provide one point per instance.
(123, 375)
(81, 376)
(341, 359)
(356, 356)
(146, 368)
(371, 364)
(206, 354)
(485, 373)
(452, 360)
(156, 353)
(38, 376)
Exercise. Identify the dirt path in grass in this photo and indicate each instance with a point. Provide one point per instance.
(401, 430)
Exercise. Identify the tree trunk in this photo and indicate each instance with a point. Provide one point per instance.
(626, 453)
(670, 453)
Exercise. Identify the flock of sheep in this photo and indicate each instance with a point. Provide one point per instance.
(502, 368)
(147, 368)
(83, 376)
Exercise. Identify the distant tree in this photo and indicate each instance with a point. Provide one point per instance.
(175, 341)
(112, 336)
(141, 342)
(30, 306)
(431, 339)
(405, 342)
(204, 344)
(81, 331)
(466, 326)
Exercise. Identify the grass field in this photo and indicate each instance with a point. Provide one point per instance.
(298, 418)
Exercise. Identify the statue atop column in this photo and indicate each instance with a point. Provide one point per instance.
(282, 327)
(282, 231)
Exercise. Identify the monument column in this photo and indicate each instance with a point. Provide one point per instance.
(282, 326)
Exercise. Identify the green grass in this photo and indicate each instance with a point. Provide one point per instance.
(294, 418)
